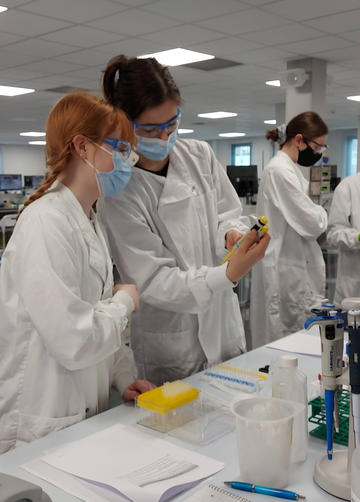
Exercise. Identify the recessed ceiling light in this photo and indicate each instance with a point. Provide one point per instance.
(231, 134)
(34, 134)
(3, 9)
(6, 90)
(353, 98)
(177, 57)
(37, 142)
(217, 115)
(185, 131)
(274, 83)
(271, 121)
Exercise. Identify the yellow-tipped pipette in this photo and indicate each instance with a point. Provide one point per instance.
(260, 226)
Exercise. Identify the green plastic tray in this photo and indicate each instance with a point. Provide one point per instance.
(318, 417)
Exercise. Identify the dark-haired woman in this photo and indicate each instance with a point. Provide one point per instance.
(170, 230)
(291, 277)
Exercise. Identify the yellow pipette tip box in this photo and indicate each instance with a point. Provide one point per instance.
(169, 406)
(169, 396)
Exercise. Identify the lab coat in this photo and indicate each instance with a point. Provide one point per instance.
(61, 339)
(167, 234)
(290, 279)
(343, 232)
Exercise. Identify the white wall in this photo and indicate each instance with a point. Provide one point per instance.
(31, 159)
(23, 160)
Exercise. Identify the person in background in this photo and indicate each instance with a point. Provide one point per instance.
(171, 228)
(62, 320)
(290, 280)
(344, 234)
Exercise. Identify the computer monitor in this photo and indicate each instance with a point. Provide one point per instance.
(10, 182)
(244, 179)
(33, 181)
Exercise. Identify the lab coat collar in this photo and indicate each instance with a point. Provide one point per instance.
(94, 240)
(178, 182)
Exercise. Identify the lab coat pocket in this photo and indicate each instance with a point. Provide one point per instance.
(33, 427)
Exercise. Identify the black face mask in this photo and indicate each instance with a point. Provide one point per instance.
(308, 157)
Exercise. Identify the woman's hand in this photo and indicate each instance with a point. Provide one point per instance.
(248, 253)
(231, 238)
(138, 387)
(130, 289)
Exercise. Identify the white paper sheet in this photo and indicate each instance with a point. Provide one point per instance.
(118, 458)
(302, 342)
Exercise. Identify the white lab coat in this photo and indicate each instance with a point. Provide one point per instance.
(61, 342)
(343, 233)
(167, 234)
(291, 277)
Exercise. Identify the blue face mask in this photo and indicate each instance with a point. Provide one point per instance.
(156, 148)
(113, 182)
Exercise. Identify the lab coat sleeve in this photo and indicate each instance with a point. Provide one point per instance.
(141, 258)
(341, 233)
(284, 190)
(229, 206)
(124, 370)
(76, 333)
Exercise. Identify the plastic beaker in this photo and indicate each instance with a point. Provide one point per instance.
(264, 434)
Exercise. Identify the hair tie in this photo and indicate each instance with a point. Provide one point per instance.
(281, 129)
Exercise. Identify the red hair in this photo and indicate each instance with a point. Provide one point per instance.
(78, 113)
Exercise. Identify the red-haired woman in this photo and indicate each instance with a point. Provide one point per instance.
(62, 320)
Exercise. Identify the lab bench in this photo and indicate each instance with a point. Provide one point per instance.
(224, 449)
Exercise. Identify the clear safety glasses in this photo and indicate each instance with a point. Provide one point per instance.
(119, 145)
(319, 148)
(155, 130)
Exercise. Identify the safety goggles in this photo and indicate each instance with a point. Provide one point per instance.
(319, 148)
(155, 130)
(119, 145)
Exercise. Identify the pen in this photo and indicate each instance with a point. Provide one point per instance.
(260, 226)
(248, 487)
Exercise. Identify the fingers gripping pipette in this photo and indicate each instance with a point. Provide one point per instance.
(332, 342)
(260, 226)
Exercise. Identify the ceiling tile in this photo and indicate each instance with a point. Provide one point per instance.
(133, 47)
(338, 23)
(243, 22)
(227, 47)
(22, 23)
(75, 11)
(184, 36)
(194, 10)
(307, 47)
(87, 57)
(48, 67)
(342, 55)
(41, 48)
(8, 38)
(82, 36)
(10, 58)
(133, 22)
(291, 32)
(309, 9)
(354, 36)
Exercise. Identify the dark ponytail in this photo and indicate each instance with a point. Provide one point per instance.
(309, 124)
(135, 85)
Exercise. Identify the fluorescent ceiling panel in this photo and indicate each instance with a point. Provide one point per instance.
(177, 57)
(217, 115)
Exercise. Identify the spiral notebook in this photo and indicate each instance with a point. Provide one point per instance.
(213, 493)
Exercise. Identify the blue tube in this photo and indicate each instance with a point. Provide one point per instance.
(329, 410)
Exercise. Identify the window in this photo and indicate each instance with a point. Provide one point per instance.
(241, 154)
(351, 155)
